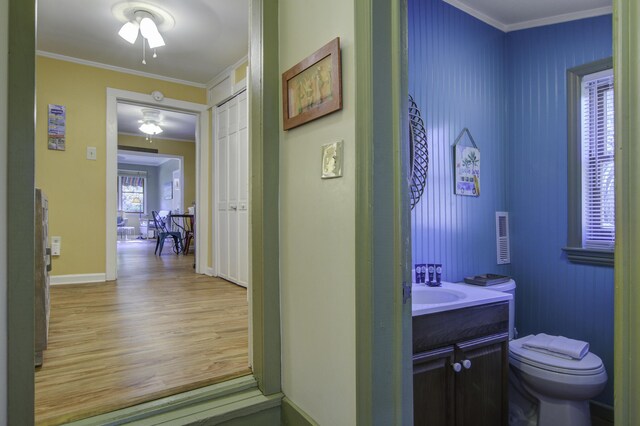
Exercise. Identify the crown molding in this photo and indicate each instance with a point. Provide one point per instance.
(226, 72)
(118, 69)
(560, 18)
(479, 15)
(557, 19)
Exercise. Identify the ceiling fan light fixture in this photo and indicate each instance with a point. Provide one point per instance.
(150, 122)
(150, 128)
(149, 30)
(129, 31)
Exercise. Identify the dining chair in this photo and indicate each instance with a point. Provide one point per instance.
(188, 234)
(163, 233)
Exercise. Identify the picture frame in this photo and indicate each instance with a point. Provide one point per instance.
(313, 87)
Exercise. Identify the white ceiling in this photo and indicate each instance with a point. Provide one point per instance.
(208, 36)
(510, 15)
(175, 125)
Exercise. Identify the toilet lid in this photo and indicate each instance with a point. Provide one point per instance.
(590, 364)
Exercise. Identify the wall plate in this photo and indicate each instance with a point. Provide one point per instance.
(332, 160)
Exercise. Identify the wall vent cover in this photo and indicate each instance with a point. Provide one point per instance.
(503, 249)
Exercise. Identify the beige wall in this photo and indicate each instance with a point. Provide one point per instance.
(4, 53)
(74, 185)
(318, 229)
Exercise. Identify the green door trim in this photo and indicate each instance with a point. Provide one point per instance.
(264, 140)
(21, 199)
(383, 323)
(626, 31)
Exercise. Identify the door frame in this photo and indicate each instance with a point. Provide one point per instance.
(384, 380)
(202, 183)
(381, 351)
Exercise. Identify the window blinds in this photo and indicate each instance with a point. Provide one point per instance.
(598, 200)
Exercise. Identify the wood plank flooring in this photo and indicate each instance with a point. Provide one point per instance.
(160, 329)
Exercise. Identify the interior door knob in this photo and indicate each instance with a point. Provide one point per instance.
(466, 364)
(456, 367)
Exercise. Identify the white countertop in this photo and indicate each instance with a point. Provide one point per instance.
(450, 296)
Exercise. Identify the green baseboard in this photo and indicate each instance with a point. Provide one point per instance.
(236, 402)
(292, 415)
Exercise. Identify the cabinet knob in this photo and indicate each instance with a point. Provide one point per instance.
(466, 364)
(456, 367)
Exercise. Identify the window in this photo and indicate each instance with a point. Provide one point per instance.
(591, 164)
(131, 199)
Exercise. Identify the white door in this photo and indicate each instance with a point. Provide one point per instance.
(232, 190)
(243, 190)
(222, 228)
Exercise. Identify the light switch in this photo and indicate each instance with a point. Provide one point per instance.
(56, 244)
(332, 160)
(92, 153)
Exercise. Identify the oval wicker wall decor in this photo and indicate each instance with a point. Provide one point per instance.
(419, 153)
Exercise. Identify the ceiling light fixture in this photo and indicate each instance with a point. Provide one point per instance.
(144, 22)
(150, 123)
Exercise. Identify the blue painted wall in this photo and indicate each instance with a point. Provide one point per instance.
(553, 295)
(457, 78)
(510, 91)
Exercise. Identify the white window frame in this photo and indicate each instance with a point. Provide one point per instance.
(144, 190)
(576, 249)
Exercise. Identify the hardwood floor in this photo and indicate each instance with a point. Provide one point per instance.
(160, 329)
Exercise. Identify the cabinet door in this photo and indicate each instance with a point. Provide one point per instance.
(433, 388)
(481, 386)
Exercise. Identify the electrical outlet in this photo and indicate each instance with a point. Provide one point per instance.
(92, 153)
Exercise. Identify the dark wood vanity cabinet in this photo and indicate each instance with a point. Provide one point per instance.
(460, 373)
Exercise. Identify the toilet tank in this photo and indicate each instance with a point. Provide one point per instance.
(508, 287)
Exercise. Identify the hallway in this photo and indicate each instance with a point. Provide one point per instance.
(160, 329)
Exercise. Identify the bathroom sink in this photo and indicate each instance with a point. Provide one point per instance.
(436, 295)
(427, 300)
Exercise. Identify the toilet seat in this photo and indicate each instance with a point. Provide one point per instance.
(590, 365)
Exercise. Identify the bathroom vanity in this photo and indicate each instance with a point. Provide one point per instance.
(460, 356)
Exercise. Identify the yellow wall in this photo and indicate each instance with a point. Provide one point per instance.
(240, 72)
(317, 222)
(76, 186)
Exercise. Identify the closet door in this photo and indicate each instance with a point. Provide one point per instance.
(243, 190)
(221, 188)
(232, 178)
(232, 190)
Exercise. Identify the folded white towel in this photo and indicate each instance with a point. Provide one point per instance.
(558, 346)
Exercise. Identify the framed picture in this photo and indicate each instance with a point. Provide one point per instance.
(313, 87)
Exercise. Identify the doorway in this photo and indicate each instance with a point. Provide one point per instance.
(117, 97)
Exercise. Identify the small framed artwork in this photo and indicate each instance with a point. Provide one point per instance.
(313, 87)
(167, 191)
(467, 166)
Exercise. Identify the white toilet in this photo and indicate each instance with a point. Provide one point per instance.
(546, 390)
